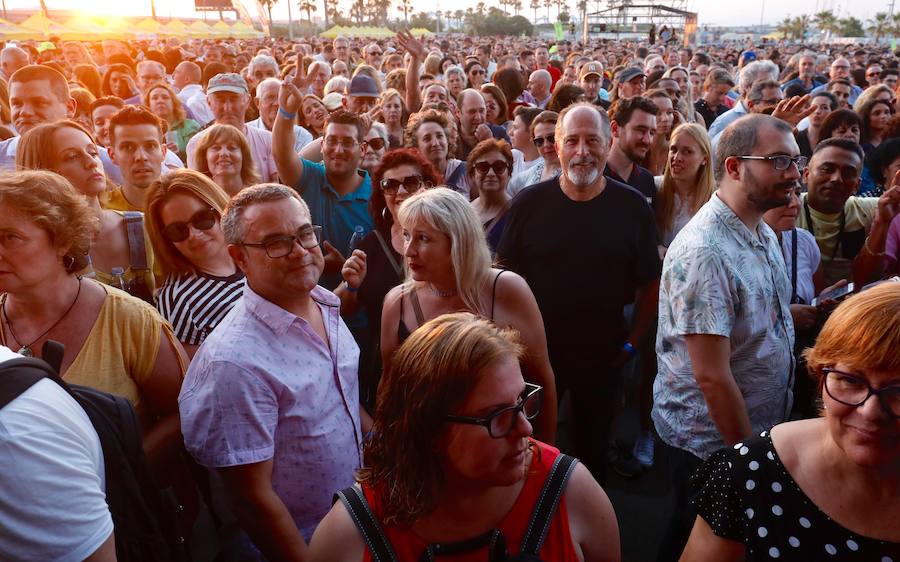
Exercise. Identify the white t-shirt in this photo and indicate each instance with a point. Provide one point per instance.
(53, 500)
(808, 257)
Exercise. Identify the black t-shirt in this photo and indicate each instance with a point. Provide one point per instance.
(708, 113)
(641, 179)
(583, 261)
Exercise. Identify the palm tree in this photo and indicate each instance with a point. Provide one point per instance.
(406, 6)
(785, 27)
(517, 6)
(458, 14)
(309, 7)
(268, 4)
(548, 4)
(535, 4)
(331, 10)
(827, 22)
(879, 26)
(480, 7)
(800, 24)
(358, 11)
(561, 7)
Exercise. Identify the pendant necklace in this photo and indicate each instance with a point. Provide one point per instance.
(26, 350)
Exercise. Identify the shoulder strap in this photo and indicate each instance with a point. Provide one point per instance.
(389, 253)
(794, 266)
(547, 504)
(358, 508)
(494, 292)
(137, 250)
(417, 308)
(20, 374)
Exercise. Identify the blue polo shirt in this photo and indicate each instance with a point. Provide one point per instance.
(338, 215)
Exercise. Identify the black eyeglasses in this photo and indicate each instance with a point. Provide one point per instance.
(499, 166)
(201, 220)
(476, 72)
(502, 421)
(307, 236)
(781, 162)
(410, 184)
(852, 390)
(375, 144)
(539, 141)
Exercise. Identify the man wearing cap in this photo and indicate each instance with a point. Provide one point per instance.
(361, 94)
(629, 83)
(591, 79)
(228, 98)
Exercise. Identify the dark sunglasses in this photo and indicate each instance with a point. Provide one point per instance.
(202, 220)
(476, 72)
(499, 166)
(539, 141)
(410, 184)
(375, 144)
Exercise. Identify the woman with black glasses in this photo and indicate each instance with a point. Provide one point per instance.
(376, 265)
(489, 167)
(452, 469)
(825, 488)
(202, 282)
(475, 74)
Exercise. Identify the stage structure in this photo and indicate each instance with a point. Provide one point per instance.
(666, 20)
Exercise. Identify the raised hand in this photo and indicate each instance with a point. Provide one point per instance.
(334, 260)
(290, 94)
(412, 45)
(889, 202)
(793, 110)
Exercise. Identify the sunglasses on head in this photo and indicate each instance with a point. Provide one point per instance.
(201, 220)
(499, 166)
(539, 141)
(410, 184)
(375, 144)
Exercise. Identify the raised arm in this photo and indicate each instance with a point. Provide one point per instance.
(290, 98)
(869, 263)
(416, 51)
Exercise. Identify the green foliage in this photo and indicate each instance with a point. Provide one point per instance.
(423, 20)
(852, 27)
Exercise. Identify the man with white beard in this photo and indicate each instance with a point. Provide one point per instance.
(560, 235)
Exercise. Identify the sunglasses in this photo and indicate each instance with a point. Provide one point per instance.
(410, 184)
(476, 72)
(539, 141)
(375, 144)
(202, 220)
(499, 166)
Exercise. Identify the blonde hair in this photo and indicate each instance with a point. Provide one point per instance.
(703, 186)
(227, 133)
(450, 213)
(177, 108)
(35, 149)
(419, 118)
(186, 181)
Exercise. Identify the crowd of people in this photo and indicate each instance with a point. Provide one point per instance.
(379, 299)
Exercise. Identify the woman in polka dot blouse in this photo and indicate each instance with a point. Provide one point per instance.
(826, 488)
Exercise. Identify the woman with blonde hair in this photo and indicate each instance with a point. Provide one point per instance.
(434, 135)
(394, 115)
(449, 268)
(83, 100)
(223, 154)
(202, 283)
(162, 100)
(312, 115)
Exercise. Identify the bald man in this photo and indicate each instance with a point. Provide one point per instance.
(539, 84)
(11, 60)
(187, 79)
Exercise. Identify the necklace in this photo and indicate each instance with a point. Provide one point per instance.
(438, 293)
(26, 349)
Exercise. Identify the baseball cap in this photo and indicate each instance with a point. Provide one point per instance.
(748, 56)
(227, 82)
(589, 68)
(362, 86)
(629, 73)
(333, 101)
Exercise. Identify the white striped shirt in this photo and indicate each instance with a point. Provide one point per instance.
(194, 304)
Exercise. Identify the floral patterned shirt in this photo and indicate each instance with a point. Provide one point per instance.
(719, 278)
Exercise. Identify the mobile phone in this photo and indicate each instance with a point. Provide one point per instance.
(836, 295)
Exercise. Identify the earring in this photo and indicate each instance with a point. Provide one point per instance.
(384, 213)
(68, 262)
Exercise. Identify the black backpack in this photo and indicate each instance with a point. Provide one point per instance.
(144, 519)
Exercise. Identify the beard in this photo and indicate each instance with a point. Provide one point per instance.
(765, 197)
(580, 176)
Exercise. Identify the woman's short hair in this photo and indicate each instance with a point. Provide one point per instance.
(500, 98)
(450, 213)
(546, 117)
(392, 93)
(177, 107)
(563, 96)
(838, 118)
(396, 79)
(486, 146)
(50, 201)
(432, 374)
(863, 333)
(226, 133)
(393, 159)
(180, 181)
(336, 84)
(419, 118)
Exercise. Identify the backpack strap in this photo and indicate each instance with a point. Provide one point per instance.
(547, 503)
(137, 249)
(358, 508)
(20, 374)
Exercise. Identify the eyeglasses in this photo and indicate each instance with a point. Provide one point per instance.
(502, 421)
(410, 184)
(201, 220)
(781, 162)
(375, 53)
(375, 144)
(343, 142)
(499, 166)
(539, 141)
(476, 72)
(852, 390)
(307, 236)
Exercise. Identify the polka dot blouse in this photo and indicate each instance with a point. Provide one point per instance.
(746, 495)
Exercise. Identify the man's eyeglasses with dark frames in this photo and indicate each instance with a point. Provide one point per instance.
(852, 390)
(781, 162)
(307, 236)
(502, 421)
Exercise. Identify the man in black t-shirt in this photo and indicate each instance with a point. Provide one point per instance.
(633, 126)
(586, 244)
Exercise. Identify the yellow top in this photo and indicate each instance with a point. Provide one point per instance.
(114, 200)
(120, 351)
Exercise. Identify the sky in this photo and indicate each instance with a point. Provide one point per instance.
(711, 12)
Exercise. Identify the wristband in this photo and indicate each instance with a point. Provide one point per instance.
(629, 349)
(868, 249)
(349, 288)
(285, 114)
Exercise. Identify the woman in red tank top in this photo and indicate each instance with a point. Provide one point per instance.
(451, 459)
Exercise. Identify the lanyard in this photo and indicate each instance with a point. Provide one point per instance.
(812, 229)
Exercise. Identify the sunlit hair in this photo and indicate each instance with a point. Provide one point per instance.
(181, 181)
(863, 334)
(450, 213)
(419, 118)
(396, 80)
(133, 115)
(106, 87)
(85, 56)
(870, 93)
(563, 96)
(49, 200)
(226, 133)
(394, 159)
(431, 376)
(500, 98)
(390, 94)
(178, 112)
(704, 183)
(865, 112)
(36, 150)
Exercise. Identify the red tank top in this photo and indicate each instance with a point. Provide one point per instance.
(557, 546)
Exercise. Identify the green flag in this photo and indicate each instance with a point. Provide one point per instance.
(558, 28)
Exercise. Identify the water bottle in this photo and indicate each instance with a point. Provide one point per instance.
(357, 238)
(118, 278)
